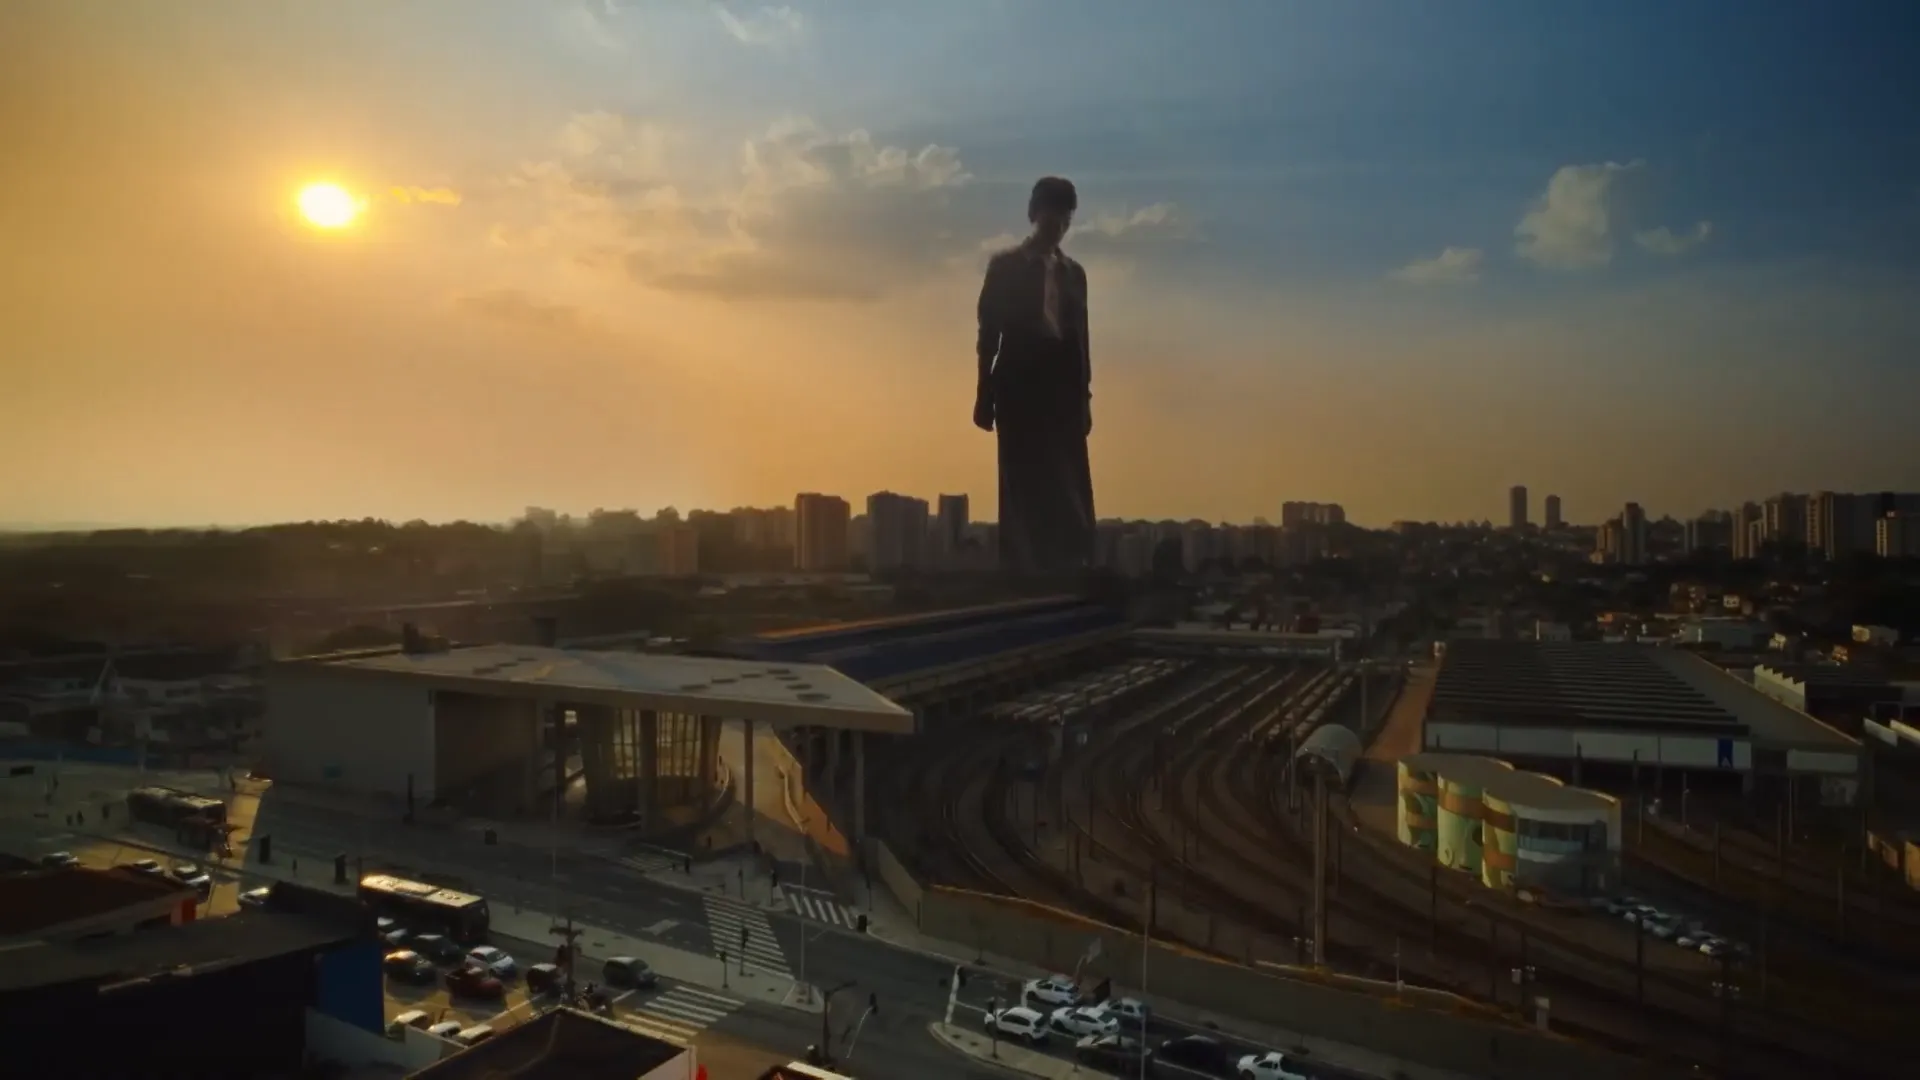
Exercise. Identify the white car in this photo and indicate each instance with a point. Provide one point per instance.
(445, 1029)
(494, 960)
(1129, 1011)
(1019, 1022)
(1271, 1065)
(1055, 990)
(1080, 1022)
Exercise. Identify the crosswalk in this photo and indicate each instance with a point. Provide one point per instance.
(727, 919)
(652, 860)
(812, 904)
(677, 1014)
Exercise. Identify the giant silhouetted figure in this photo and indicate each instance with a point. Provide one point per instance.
(1035, 390)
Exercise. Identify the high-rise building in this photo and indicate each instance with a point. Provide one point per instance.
(820, 532)
(1553, 513)
(1713, 529)
(1786, 519)
(1749, 525)
(950, 528)
(1897, 536)
(899, 524)
(1633, 535)
(1517, 507)
(679, 550)
(1606, 541)
(1311, 513)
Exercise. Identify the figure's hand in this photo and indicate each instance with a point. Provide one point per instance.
(983, 408)
(1086, 418)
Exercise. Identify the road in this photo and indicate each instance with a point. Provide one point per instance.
(912, 988)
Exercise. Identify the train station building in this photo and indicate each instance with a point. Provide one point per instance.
(1612, 715)
(477, 728)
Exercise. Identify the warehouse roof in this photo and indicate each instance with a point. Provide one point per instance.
(1621, 686)
(780, 693)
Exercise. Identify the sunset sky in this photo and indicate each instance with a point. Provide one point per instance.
(663, 252)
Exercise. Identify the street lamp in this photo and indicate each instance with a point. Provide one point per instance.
(826, 1013)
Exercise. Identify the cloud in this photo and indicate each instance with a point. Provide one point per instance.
(804, 214)
(1161, 221)
(1570, 226)
(586, 27)
(439, 195)
(767, 27)
(521, 308)
(1664, 241)
(1453, 266)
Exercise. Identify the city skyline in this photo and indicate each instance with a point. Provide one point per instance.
(1326, 243)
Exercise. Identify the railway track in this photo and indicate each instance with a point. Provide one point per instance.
(1227, 795)
(1188, 805)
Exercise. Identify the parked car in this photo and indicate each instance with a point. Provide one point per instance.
(1271, 1065)
(544, 979)
(256, 898)
(1132, 1013)
(628, 972)
(1111, 1053)
(494, 960)
(474, 982)
(1081, 1021)
(1197, 1052)
(1019, 1022)
(202, 884)
(409, 967)
(149, 867)
(59, 860)
(438, 948)
(470, 1036)
(185, 871)
(412, 1018)
(446, 1029)
(1054, 990)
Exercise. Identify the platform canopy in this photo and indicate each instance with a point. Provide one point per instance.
(777, 693)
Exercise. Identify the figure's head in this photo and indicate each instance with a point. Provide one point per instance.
(1051, 208)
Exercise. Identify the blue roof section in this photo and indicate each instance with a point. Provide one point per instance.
(879, 651)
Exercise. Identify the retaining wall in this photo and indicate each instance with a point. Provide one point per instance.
(1058, 940)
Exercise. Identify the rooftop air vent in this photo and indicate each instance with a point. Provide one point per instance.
(693, 687)
(814, 696)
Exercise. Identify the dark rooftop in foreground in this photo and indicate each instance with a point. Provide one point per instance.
(38, 899)
(1582, 682)
(564, 1044)
(205, 944)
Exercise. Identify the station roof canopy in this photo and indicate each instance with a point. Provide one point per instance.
(908, 652)
(777, 693)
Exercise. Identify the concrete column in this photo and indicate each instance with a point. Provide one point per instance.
(649, 764)
(859, 792)
(833, 762)
(746, 794)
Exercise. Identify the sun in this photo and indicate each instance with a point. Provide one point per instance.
(328, 206)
